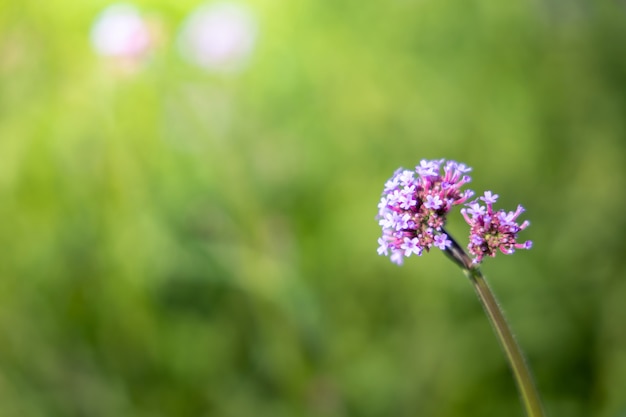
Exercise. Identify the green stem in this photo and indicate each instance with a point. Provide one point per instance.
(521, 372)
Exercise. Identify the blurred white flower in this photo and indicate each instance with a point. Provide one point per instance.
(121, 32)
(219, 36)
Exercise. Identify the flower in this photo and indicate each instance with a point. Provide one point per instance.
(219, 37)
(121, 32)
(414, 204)
(490, 231)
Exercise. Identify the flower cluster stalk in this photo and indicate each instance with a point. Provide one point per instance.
(412, 213)
(521, 371)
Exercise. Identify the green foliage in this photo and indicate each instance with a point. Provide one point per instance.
(181, 243)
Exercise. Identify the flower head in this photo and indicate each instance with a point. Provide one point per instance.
(414, 205)
(219, 36)
(491, 230)
(122, 34)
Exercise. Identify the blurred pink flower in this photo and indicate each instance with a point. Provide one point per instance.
(219, 37)
(120, 32)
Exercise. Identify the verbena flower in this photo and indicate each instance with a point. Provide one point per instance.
(120, 31)
(412, 213)
(219, 36)
(414, 205)
(491, 230)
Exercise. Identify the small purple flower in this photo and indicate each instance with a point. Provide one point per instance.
(397, 257)
(475, 209)
(408, 198)
(492, 231)
(489, 197)
(428, 168)
(383, 249)
(411, 245)
(406, 178)
(414, 206)
(433, 202)
(442, 242)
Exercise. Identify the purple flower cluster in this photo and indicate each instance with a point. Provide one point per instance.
(414, 205)
(413, 208)
(491, 230)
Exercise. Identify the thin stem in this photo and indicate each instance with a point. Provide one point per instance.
(521, 371)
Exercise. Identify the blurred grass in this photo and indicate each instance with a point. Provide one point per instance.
(182, 243)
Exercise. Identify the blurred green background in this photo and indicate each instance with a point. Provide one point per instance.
(180, 242)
